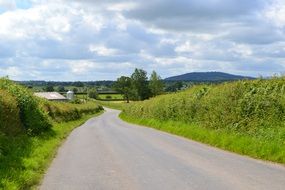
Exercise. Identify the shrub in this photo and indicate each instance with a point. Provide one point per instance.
(109, 97)
(62, 111)
(33, 118)
(92, 93)
(76, 101)
(10, 122)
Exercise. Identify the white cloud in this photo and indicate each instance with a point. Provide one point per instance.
(276, 13)
(188, 47)
(8, 4)
(122, 6)
(51, 20)
(102, 50)
(13, 72)
(81, 67)
(242, 50)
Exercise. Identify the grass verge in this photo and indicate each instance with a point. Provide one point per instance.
(272, 150)
(24, 159)
(113, 105)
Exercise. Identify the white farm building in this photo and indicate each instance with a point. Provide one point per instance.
(52, 96)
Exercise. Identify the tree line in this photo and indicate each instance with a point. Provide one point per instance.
(138, 87)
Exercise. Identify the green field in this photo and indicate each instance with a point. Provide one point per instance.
(110, 97)
(119, 105)
(81, 96)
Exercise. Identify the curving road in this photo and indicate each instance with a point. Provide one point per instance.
(106, 153)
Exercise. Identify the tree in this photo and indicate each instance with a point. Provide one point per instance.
(174, 87)
(61, 89)
(92, 93)
(140, 84)
(124, 86)
(78, 84)
(49, 88)
(75, 90)
(155, 84)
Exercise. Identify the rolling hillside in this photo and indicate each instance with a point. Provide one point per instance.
(206, 77)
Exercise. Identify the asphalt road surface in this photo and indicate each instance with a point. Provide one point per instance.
(106, 153)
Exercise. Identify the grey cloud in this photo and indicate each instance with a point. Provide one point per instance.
(258, 33)
(239, 18)
(212, 9)
(161, 11)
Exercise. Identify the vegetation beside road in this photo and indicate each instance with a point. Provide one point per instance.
(63, 112)
(118, 105)
(110, 97)
(24, 159)
(31, 129)
(246, 117)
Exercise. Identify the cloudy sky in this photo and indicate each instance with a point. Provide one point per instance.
(104, 39)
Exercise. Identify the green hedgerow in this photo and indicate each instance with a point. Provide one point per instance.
(10, 122)
(34, 119)
(249, 107)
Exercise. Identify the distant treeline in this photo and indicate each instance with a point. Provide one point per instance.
(67, 83)
(171, 84)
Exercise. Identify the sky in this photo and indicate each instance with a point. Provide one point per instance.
(70, 40)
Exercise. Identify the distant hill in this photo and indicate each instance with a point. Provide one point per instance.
(206, 77)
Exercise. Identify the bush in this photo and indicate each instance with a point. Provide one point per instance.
(33, 118)
(76, 101)
(10, 122)
(109, 97)
(92, 93)
(62, 111)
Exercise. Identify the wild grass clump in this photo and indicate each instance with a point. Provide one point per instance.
(33, 118)
(255, 109)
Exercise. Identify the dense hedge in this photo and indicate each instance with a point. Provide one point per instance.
(10, 122)
(32, 116)
(61, 111)
(21, 110)
(253, 107)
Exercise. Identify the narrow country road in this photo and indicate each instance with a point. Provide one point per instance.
(106, 153)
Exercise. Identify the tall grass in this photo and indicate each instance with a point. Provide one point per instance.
(24, 159)
(271, 150)
(250, 109)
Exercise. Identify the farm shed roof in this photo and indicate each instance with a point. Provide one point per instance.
(50, 95)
